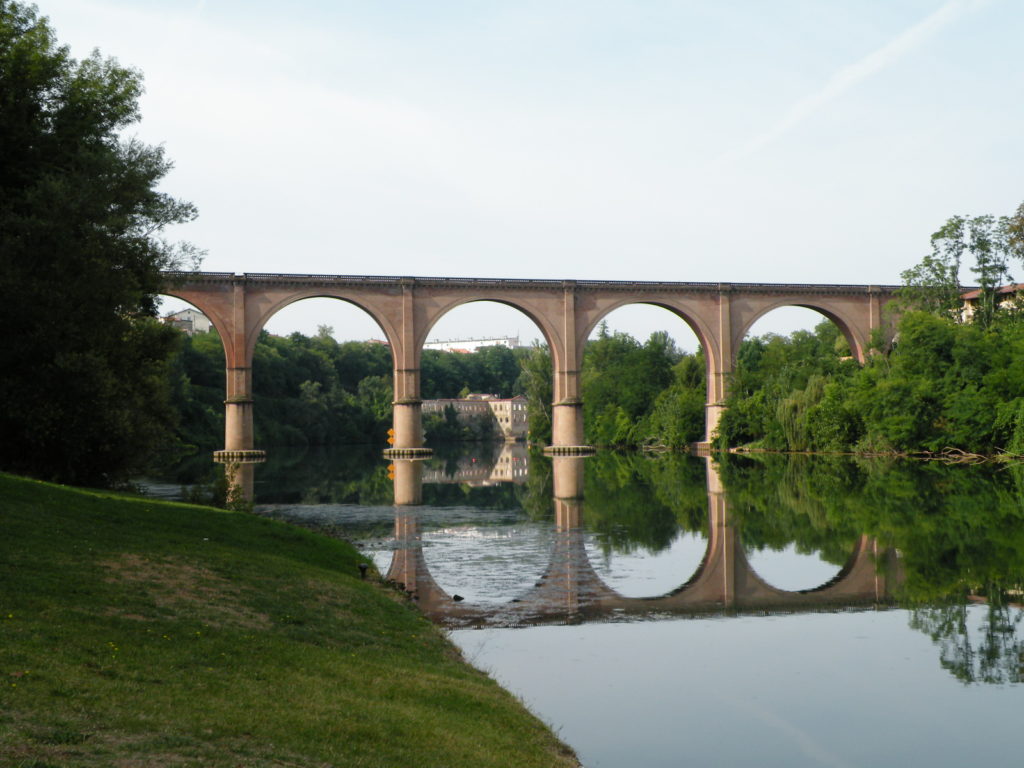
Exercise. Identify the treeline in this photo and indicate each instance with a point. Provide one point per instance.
(318, 391)
(940, 384)
(944, 377)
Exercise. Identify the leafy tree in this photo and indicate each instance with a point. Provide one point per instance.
(677, 418)
(535, 382)
(635, 393)
(778, 392)
(934, 284)
(84, 387)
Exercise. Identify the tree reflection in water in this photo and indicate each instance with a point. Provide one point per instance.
(637, 501)
(959, 531)
(975, 647)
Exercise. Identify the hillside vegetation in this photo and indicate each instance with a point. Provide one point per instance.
(134, 632)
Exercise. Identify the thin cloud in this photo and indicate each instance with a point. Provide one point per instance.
(852, 75)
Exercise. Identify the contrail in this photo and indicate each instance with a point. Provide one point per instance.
(853, 74)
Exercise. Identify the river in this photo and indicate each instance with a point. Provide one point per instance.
(661, 609)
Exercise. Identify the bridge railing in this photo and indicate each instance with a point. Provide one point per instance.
(265, 277)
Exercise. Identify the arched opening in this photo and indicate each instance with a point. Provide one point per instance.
(488, 557)
(322, 390)
(786, 391)
(643, 385)
(485, 378)
(338, 319)
(646, 520)
(790, 568)
(485, 383)
(643, 380)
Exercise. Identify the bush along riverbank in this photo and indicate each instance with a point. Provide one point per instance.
(136, 632)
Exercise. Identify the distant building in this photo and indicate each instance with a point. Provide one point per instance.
(510, 413)
(190, 321)
(472, 345)
(1007, 297)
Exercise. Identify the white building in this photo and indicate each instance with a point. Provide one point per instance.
(472, 345)
(190, 321)
(510, 413)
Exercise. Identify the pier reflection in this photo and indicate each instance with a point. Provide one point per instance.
(571, 590)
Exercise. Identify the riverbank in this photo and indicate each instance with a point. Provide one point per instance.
(135, 632)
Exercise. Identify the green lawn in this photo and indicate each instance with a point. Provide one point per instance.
(142, 633)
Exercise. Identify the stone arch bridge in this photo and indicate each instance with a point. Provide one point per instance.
(565, 312)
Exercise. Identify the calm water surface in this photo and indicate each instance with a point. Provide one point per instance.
(666, 610)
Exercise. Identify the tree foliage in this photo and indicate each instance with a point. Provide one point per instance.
(993, 243)
(948, 380)
(641, 394)
(535, 382)
(315, 391)
(84, 384)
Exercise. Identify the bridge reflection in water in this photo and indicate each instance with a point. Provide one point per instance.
(570, 590)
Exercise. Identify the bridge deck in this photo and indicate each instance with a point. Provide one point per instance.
(525, 283)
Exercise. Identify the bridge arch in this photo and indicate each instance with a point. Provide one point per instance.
(688, 315)
(551, 305)
(856, 336)
(441, 311)
(213, 311)
(267, 313)
(700, 312)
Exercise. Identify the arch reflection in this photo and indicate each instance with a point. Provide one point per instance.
(571, 590)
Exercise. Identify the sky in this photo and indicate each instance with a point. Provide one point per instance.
(726, 141)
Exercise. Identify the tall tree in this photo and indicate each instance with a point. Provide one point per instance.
(83, 395)
(934, 284)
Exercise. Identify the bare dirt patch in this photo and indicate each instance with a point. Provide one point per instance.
(174, 584)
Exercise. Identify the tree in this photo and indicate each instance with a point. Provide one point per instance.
(934, 284)
(83, 395)
(535, 382)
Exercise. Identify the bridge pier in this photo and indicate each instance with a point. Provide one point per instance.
(238, 425)
(567, 476)
(567, 408)
(239, 456)
(406, 418)
(713, 413)
(407, 423)
(567, 430)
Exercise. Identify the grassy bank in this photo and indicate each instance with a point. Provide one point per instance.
(135, 633)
